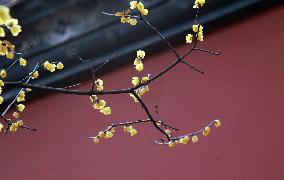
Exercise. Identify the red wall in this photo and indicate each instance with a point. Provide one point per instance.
(243, 87)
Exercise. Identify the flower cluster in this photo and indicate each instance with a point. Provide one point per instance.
(138, 61)
(135, 80)
(194, 138)
(52, 66)
(110, 131)
(14, 126)
(105, 135)
(100, 105)
(7, 49)
(197, 28)
(125, 16)
(7, 21)
(130, 129)
(198, 33)
(198, 3)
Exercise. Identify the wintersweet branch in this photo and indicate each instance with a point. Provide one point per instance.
(140, 84)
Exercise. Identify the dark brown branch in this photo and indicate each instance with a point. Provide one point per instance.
(150, 115)
(163, 142)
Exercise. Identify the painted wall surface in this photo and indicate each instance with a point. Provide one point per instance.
(243, 87)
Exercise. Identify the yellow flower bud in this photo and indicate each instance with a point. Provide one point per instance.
(21, 107)
(217, 123)
(16, 115)
(35, 75)
(139, 67)
(96, 140)
(101, 134)
(133, 4)
(172, 144)
(108, 135)
(60, 65)
(133, 132)
(194, 138)
(3, 73)
(206, 131)
(1, 83)
(22, 62)
(1, 99)
(1, 127)
(141, 54)
(135, 81)
(189, 38)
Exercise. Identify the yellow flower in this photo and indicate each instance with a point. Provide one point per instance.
(194, 138)
(99, 84)
(11, 22)
(139, 67)
(35, 75)
(20, 99)
(198, 3)
(184, 140)
(15, 30)
(49, 66)
(172, 144)
(96, 140)
(14, 127)
(143, 90)
(124, 19)
(108, 135)
(141, 54)
(23, 62)
(200, 36)
(144, 12)
(16, 115)
(1, 99)
(101, 134)
(132, 22)
(133, 132)
(60, 65)
(206, 131)
(10, 54)
(137, 61)
(127, 128)
(21, 96)
(1, 127)
(0, 90)
(1, 83)
(145, 79)
(134, 98)
(168, 132)
(46, 64)
(100, 104)
(189, 38)
(3, 73)
(20, 123)
(106, 110)
(2, 32)
(217, 123)
(4, 14)
(197, 28)
(140, 5)
(21, 107)
(133, 4)
(14, 27)
(135, 81)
